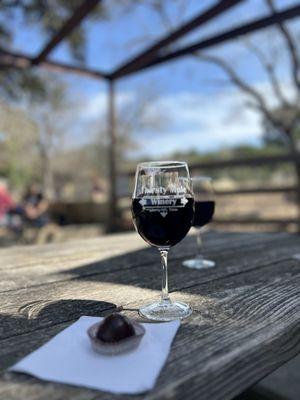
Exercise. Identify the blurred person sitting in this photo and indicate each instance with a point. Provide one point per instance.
(6, 203)
(35, 207)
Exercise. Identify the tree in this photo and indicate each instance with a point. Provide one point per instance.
(18, 145)
(52, 118)
(273, 135)
(32, 135)
(44, 94)
(284, 120)
(48, 17)
(137, 116)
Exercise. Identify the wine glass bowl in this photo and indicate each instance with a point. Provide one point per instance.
(204, 197)
(163, 211)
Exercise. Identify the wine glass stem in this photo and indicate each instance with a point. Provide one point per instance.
(164, 263)
(199, 244)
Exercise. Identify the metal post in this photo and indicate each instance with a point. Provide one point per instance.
(112, 223)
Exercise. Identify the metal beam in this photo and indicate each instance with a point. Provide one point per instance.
(241, 30)
(148, 55)
(23, 61)
(79, 14)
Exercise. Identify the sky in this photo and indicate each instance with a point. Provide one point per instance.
(198, 107)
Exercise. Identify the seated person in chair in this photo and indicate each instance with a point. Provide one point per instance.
(35, 207)
(6, 203)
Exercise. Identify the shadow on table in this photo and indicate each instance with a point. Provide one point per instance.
(38, 321)
(142, 268)
(50, 313)
(54, 315)
(43, 319)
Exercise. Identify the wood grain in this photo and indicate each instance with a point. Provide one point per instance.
(59, 264)
(246, 321)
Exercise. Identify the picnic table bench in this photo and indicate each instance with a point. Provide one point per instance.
(246, 320)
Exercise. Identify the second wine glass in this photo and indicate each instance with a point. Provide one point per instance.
(204, 196)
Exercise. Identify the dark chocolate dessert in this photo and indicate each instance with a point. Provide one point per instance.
(115, 334)
(114, 328)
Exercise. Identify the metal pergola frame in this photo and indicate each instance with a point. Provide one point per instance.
(156, 54)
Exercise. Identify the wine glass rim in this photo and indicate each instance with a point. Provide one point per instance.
(159, 164)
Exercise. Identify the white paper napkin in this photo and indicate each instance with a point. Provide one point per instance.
(69, 358)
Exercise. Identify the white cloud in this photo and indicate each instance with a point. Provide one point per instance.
(207, 122)
(95, 107)
(203, 122)
(194, 120)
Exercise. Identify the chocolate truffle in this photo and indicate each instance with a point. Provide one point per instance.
(114, 328)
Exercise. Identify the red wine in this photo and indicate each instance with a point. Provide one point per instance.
(204, 211)
(163, 222)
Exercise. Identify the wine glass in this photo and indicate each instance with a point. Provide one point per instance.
(163, 212)
(204, 197)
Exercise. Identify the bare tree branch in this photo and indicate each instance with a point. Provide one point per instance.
(257, 101)
(141, 40)
(291, 46)
(241, 84)
(182, 9)
(270, 70)
(159, 7)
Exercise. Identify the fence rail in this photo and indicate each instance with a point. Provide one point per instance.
(236, 162)
(257, 190)
(244, 162)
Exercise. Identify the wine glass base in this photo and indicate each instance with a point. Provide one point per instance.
(199, 263)
(165, 311)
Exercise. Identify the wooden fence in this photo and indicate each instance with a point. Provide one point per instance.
(253, 162)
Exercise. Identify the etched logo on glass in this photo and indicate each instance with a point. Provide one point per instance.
(163, 205)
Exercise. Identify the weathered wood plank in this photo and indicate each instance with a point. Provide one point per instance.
(245, 324)
(58, 258)
(62, 268)
(245, 349)
(20, 387)
(20, 256)
(244, 328)
(18, 314)
(26, 256)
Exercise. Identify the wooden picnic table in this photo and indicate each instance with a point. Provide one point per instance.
(246, 319)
